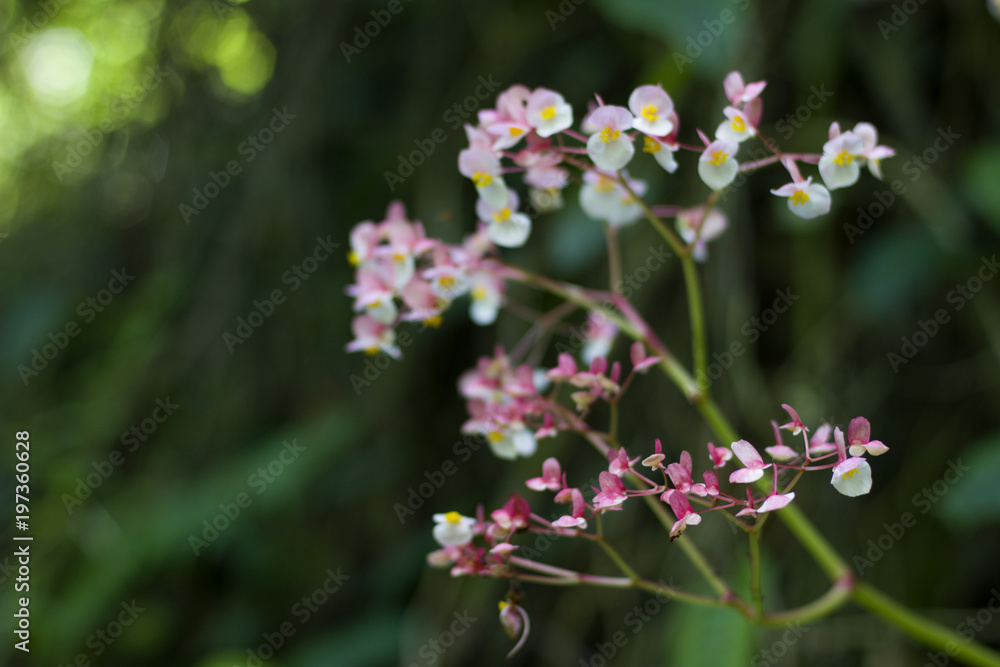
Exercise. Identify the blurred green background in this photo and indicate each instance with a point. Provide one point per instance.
(115, 112)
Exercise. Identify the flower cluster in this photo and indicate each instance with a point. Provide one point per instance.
(401, 275)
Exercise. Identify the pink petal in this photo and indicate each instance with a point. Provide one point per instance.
(746, 453)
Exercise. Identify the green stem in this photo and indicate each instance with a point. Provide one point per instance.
(619, 561)
(697, 314)
(827, 603)
(755, 592)
(931, 634)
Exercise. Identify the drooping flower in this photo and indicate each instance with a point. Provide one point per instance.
(486, 289)
(509, 121)
(820, 442)
(859, 439)
(640, 362)
(602, 197)
(738, 126)
(805, 199)
(548, 112)
(574, 520)
(656, 458)
(795, 425)
(661, 151)
(612, 493)
(514, 515)
(681, 507)
(371, 336)
(737, 92)
(717, 165)
(719, 455)
(483, 167)
(653, 109)
(619, 462)
(551, 478)
(610, 147)
(712, 225)
(751, 458)
(453, 529)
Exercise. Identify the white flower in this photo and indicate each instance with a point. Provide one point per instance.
(839, 165)
(548, 112)
(610, 147)
(453, 529)
(652, 108)
(507, 227)
(805, 199)
(662, 152)
(852, 477)
(737, 127)
(717, 165)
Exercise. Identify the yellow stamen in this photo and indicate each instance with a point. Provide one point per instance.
(739, 125)
(353, 259)
(447, 282)
(604, 185)
(651, 145)
(373, 350)
(453, 517)
(502, 214)
(502, 605)
(849, 474)
(481, 180)
(375, 304)
(548, 113)
(398, 257)
(649, 112)
(843, 158)
(495, 436)
(479, 293)
(608, 135)
(718, 157)
(433, 321)
(516, 131)
(800, 197)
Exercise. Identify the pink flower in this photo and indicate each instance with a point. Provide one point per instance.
(779, 451)
(619, 463)
(680, 475)
(711, 483)
(820, 442)
(483, 167)
(564, 370)
(372, 336)
(610, 147)
(574, 520)
(612, 493)
(805, 199)
(719, 455)
(751, 458)
(551, 478)
(795, 426)
(838, 166)
(775, 502)
(717, 165)
(364, 239)
(509, 123)
(600, 336)
(690, 220)
(737, 92)
(858, 439)
(542, 171)
(681, 507)
(514, 515)
(652, 108)
(640, 362)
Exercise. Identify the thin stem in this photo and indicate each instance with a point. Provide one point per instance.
(619, 561)
(614, 258)
(827, 603)
(755, 593)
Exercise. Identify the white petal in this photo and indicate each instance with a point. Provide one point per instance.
(665, 158)
(495, 193)
(512, 232)
(837, 175)
(853, 477)
(718, 176)
(610, 155)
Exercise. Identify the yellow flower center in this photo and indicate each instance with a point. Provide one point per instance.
(502, 605)
(849, 474)
(453, 517)
(649, 113)
(495, 436)
(739, 125)
(718, 157)
(373, 350)
(433, 321)
(447, 282)
(843, 158)
(608, 135)
(481, 180)
(651, 145)
(548, 113)
(353, 259)
(800, 197)
(375, 304)
(502, 214)
(479, 293)
(516, 131)
(398, 257)
(604, 185)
